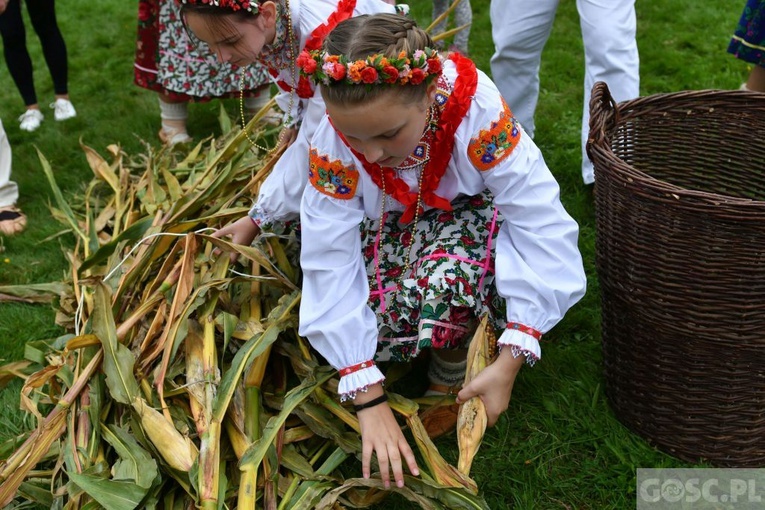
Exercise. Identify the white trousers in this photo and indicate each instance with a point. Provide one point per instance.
(463, 15)
(9, 192)
(520, 29)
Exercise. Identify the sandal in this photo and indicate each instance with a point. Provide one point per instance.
(12, 220)
(441, 419)
(173, 136)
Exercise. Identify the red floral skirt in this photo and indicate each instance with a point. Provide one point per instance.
(450, 282)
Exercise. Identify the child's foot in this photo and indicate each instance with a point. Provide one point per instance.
(31, 119)
(63, 109)
(170, 136)
(12, 220)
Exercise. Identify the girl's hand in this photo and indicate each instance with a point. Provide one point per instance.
(494, 384)
(381, 434)
(242, 231)
(3, 5)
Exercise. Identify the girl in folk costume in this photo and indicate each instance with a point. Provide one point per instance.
(274, 33)
(460, 217)
(170, 63)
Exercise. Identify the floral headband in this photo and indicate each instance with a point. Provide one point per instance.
(321, 67)
(233, 5)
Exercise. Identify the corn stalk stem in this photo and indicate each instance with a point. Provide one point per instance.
(443, 16)
(15, 469)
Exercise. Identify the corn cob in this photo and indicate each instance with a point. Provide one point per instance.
(472, 418)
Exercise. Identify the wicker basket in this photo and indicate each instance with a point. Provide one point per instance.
(680, 206)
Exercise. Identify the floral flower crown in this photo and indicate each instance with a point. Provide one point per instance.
(322, 67)
(233, 5)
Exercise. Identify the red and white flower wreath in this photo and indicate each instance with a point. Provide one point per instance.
(327, 69)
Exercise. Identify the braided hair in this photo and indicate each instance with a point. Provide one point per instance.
(382, 34)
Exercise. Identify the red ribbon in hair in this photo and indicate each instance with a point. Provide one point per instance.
(344, 11)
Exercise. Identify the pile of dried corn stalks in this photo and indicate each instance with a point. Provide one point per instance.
(184, 384)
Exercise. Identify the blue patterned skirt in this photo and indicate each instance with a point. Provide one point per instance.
(748, 42)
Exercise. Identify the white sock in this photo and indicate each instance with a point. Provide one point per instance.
(173, 111)
(445, 373)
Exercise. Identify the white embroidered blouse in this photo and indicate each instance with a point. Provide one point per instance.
(538, 265)
(279, 195)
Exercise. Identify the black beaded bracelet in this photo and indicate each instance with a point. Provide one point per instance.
(375, 401)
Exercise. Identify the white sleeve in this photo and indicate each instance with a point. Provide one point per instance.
(334, 314)
(292, 106)
(538, 265)
(280, 194)
(539, 270)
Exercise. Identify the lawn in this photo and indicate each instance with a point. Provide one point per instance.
(559, 445)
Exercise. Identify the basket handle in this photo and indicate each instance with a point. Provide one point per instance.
(604, 116)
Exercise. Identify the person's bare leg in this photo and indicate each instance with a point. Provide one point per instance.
(756, 80)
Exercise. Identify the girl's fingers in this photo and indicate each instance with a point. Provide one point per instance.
(465, 394)
(395, 459)
(411, 462)
(382, 461)
(221, 232)
(366, 458)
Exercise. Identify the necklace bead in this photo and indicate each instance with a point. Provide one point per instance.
(291, 51)
(430, 125)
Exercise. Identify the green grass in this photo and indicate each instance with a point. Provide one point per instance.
(559, 445)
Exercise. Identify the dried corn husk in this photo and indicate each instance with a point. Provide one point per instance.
(176, 386)
(472, 418)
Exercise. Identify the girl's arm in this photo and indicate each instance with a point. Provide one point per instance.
(334, 314)
(494, 385)
(280, 194)
(538, 266)
(381, 435)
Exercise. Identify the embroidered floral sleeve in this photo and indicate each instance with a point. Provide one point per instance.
(495, 143)
(332, 177)
(260, 216)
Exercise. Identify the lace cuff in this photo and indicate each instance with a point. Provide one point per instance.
(357, 381)
(522, 344)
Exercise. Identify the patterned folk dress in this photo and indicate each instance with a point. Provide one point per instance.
(748, 42)
(168, 61)
(493, 238)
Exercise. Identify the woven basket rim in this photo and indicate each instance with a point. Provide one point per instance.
(600, 146)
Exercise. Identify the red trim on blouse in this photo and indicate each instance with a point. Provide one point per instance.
(454, 111)
(355, 368)
(525, 329)
(344, 11)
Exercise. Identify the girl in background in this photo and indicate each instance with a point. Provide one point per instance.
(748, 44)
(168, 62)
(42, 14)
(273, 33)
